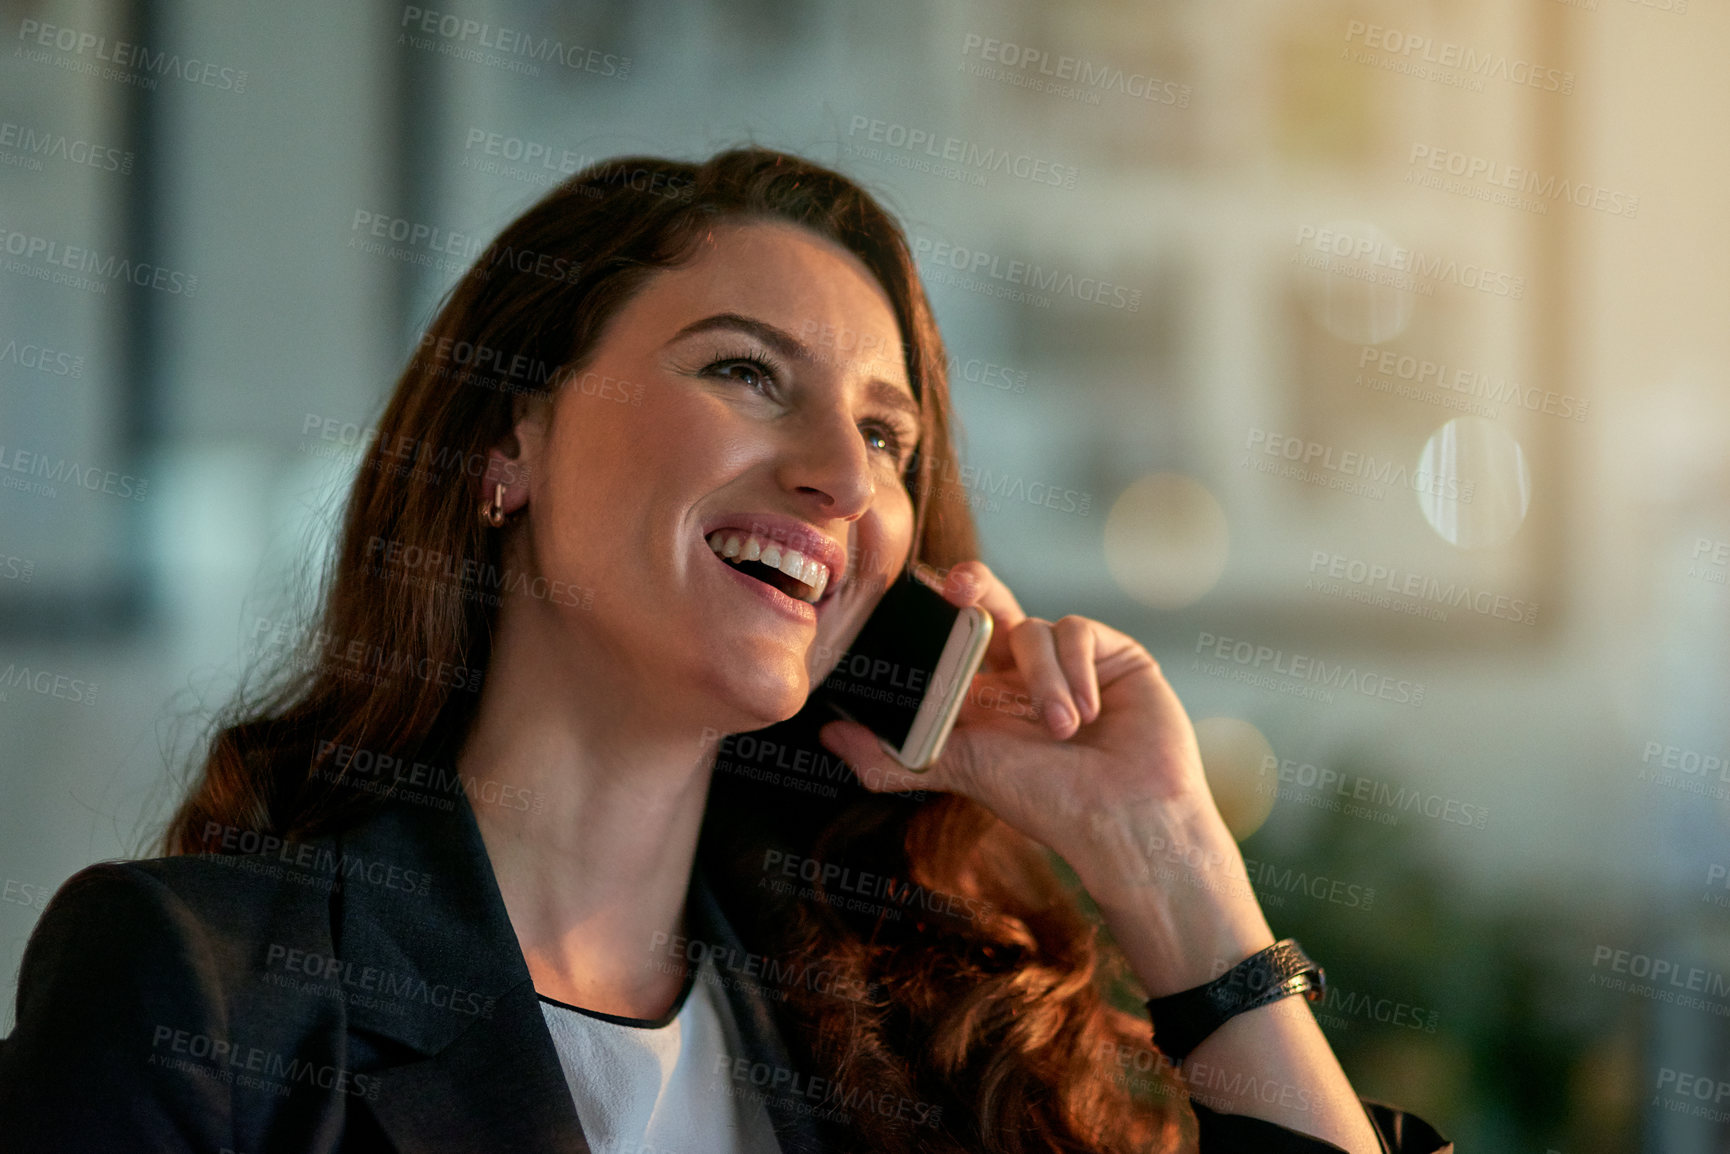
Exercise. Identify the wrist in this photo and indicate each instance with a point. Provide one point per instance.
(1174, 847)
(1176, 945)
(1172, 890)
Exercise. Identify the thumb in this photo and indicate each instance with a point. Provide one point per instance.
(974, 759)
(874, 766)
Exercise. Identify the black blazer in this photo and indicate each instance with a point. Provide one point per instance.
(161, 1007)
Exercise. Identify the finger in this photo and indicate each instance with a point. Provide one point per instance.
(1035, 649)
(876, 770)
(973, 583)
(990, 765)
(1076, 646)
(938, 580)
(994, 698)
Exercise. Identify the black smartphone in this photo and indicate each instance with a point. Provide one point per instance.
(906, 673)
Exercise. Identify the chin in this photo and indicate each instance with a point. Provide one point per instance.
(770, 697)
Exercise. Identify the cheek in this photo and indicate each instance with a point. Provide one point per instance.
(617, 457)
(879, 548)
(886, 533)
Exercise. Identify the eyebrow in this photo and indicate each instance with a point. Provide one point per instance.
(794, 349)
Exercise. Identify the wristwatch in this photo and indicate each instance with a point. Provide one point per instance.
(1182, 1020)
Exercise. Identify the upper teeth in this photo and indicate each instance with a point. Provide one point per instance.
(808, 571)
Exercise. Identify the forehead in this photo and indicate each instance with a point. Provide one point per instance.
(789, 277)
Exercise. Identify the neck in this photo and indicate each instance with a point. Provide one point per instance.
(590, 803)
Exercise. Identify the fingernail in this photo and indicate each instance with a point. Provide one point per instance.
(1061, 716)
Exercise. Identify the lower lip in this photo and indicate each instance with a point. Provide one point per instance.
(791, 606)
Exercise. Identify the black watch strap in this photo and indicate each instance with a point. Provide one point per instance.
(1182, 1020)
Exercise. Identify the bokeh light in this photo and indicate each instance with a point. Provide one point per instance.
(1233, 754)
(1353, 277)
(1473, 483)
(1166, 540)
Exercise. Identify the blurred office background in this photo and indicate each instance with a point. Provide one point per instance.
(1397, 433)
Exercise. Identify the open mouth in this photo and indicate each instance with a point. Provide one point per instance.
(798, 576)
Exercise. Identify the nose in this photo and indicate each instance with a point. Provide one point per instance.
(826, 460)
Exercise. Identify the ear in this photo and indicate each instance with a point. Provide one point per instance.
(513, 459)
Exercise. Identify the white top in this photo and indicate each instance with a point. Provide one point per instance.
(662, 1087)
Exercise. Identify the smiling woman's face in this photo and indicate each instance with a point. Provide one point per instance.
(756, 394)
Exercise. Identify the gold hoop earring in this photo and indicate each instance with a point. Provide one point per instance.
(493, 513)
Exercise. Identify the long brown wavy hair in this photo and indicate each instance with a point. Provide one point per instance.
(1001, 1018)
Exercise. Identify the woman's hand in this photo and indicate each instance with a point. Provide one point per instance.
(1067, 724)
(1071, 735)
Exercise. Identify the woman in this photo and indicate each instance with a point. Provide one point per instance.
(454, 886)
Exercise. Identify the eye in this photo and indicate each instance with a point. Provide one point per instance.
(748, 371)
(883, 438)
(887, 438)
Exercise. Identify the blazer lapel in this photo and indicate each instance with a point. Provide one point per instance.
(437, 930)
(497, 1086)
(489, 1076)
